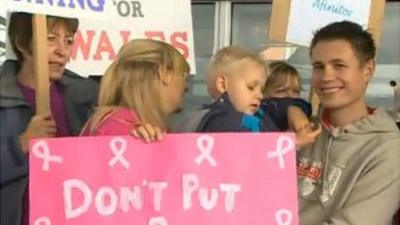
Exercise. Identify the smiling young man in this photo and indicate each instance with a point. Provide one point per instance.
(351, 175)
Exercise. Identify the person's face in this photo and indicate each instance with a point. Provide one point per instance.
(290, 89)
(59, 47)
(174, 94)
(338, 77)
(245, 89)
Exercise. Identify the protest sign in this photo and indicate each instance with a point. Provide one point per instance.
(90, 9)
(295, 21)
(97, 42)
(99, 39)
(230, 179)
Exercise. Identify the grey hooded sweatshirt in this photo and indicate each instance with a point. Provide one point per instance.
(351, 175)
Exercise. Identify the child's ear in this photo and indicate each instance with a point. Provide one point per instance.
(221, 83)
(165, 76)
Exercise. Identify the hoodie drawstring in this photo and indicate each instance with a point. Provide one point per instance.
(324, 196)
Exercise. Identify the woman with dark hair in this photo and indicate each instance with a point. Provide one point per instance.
(71, 100)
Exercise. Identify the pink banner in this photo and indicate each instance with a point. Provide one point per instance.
(186, 179)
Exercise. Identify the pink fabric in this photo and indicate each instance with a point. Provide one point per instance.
(118, 122)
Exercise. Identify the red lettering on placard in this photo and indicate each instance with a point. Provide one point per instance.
(104, 46)
(125, 34)
(98, 45)
(179, 41)
(81, 45)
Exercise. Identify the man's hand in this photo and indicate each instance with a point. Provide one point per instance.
(308, 134)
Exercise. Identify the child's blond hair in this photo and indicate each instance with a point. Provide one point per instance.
(130, 81)
(279, 73)
(226, 62)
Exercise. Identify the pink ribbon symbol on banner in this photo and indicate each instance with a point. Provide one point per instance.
(118, 147)
(42, 221)
(284, 145)
(205, 144)
(42, 151)
(283, 217)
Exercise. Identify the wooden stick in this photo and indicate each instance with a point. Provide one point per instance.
(280, 16)
(314, 101)
(40, 64)
(377, 12)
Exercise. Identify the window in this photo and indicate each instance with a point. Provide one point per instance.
(379, 92)
(250, 24)
(204, 31)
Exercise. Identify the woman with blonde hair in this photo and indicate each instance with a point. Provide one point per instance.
(143, 86)
(283, 81)
(284, 86)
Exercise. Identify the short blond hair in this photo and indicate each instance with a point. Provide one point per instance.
(225, 61)
(130, 81)
(279, 73)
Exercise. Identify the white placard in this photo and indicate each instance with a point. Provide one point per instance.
(306, 16)
(97, 43)
(89, 9)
